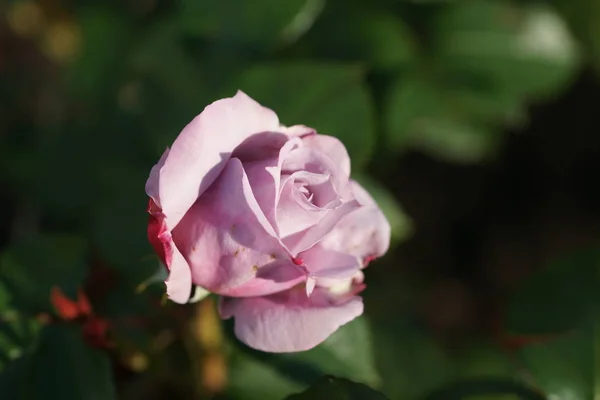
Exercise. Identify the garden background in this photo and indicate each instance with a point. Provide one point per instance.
(475, 124)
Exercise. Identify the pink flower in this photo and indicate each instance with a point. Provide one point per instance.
(267, 217)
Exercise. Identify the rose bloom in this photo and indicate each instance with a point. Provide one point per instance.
(267, 217)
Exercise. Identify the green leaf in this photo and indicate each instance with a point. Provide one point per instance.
(401, 224)
(457, 140)
(18, 333)
(583, 17)
(102, 30)
(527, 50)
(485, 389)
(255, 380)
(233, 21)
(361, 34)
(118, 224)
(560, 297)
(563, 368)
(160, 55)
(338, 389)
(411, 363)
(32, 266)
(347, 352)
(331, 98)
(64, 367)
(483, 359)
(419, 115)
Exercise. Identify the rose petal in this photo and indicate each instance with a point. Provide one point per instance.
(201, 151)
(289, 321)
(179, 282)
(265, 176)
(311, 160)
(332, 147)
(260, 146)
(305, 239)
(330, 264)
(363, 233)
(294, 211)
(297, 131)
(226, 238)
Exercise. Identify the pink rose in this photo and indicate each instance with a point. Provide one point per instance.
(267, 217)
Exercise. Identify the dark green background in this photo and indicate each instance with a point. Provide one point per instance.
(474, 123)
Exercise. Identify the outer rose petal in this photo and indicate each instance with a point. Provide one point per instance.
(297, 131)
(179, 282)
(289, 321)
(332, 147)
(363, 233)
(201, 151)
(226, 239)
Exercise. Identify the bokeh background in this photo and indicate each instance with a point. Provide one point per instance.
(475, 123)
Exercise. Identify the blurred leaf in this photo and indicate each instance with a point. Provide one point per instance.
(18, 333)
(31, 267)
(255, 380)
(347, 352)
(419, 115)
(64, 367)
(409, 100)
(236, 21)
(160, 55)
(12, 378)
(455, 140)
(483, 360)
(527, 49)
(409, 360)
(103, 31)
(563, 368)
(583, 17)
(338, 389)
(401, 224)
(331, 98)
(485, 389)
(364, 35)
(118, 224)
(560, 297)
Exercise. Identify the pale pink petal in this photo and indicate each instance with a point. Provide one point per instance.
(305, 239)
(296, 210)
(325, 266)
(330, 264)
(312, 160)
(271, 278)
(179, 282)
(201, 151)
(363, 233)
(260, 146)
(226, 238)
(265, 179)
(289, 321)
(332, 147)
(297, 131)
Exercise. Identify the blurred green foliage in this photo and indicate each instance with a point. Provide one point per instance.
(92, 92)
